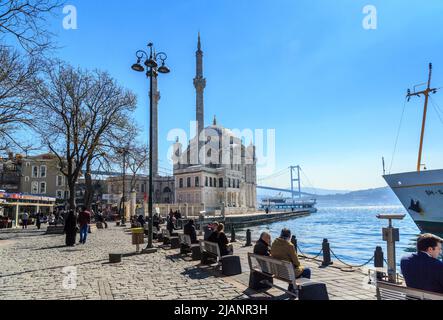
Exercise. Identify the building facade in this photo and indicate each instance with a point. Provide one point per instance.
(163, 189)
(41, 176)
(11, 173)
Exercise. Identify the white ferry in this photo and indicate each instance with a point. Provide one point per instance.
(421, 191)
(281, 204)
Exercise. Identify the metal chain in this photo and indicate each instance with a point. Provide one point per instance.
(351, 266)
(308, 258)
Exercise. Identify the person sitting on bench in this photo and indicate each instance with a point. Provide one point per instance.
(189, 230)
(283, 249)
(423, 270)
(214, 235)
(156, 222)
(223, 243)
(262, 247)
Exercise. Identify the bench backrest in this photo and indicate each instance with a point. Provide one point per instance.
(166, 233)
(210, 247)
(185, 239)
(282, 270)
(390, 291)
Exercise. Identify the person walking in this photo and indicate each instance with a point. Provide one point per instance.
(38, 221)
(170, 225)
(84, 219)
(71, 229)
(25, 219)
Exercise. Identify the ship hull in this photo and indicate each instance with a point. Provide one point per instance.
(421, 193)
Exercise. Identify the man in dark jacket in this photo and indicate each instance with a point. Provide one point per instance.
(423, 270)
(189, 230)
(170, 223)
(262, 248)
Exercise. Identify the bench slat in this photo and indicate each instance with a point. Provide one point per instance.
(390, 291)
(278, 269)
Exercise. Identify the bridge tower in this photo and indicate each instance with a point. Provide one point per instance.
(298, 180)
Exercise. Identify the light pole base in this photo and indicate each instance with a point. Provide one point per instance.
(149, 250)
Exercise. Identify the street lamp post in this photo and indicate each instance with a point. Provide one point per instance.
(151, 63)
(124, 152)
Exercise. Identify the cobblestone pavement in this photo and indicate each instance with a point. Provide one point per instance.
(32, 267)
(37, 266)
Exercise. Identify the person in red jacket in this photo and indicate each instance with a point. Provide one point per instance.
(84, 219)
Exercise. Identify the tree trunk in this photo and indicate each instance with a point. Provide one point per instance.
(89, 192)
(72, 205)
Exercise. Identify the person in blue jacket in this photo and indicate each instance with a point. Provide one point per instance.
(423, 270)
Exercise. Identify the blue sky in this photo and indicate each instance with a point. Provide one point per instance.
(333, 91)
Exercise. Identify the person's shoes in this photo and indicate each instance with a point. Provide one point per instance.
(292, 289)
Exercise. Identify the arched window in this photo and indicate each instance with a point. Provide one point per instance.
(189, 183)
(197, 182)
(167, 190)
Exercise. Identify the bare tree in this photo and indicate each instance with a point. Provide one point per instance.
(106, 155)
(137, 163)
(76, 109)
(17, 78)
(26, 21)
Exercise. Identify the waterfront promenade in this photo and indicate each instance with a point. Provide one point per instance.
(32, 267)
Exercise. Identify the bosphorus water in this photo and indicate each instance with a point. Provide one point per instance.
(353, 232)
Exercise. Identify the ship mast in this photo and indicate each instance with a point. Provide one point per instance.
(426, 94)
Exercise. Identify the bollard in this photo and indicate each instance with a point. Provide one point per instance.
(294, 242)
(379, 261)
(326, 253)
(248, 238)
(233, 234)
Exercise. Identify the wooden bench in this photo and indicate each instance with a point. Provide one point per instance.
(169, 239)
(186, 246)
(55, 230)
(230, 264)
(390, 291)
(305, 289)
(277, 269)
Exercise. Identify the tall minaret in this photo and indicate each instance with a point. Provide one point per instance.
(155, 100)
(200, 85)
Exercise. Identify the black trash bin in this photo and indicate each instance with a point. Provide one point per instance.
(231, 265)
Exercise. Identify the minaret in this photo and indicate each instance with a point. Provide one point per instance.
(200, 85)
(155, 100)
